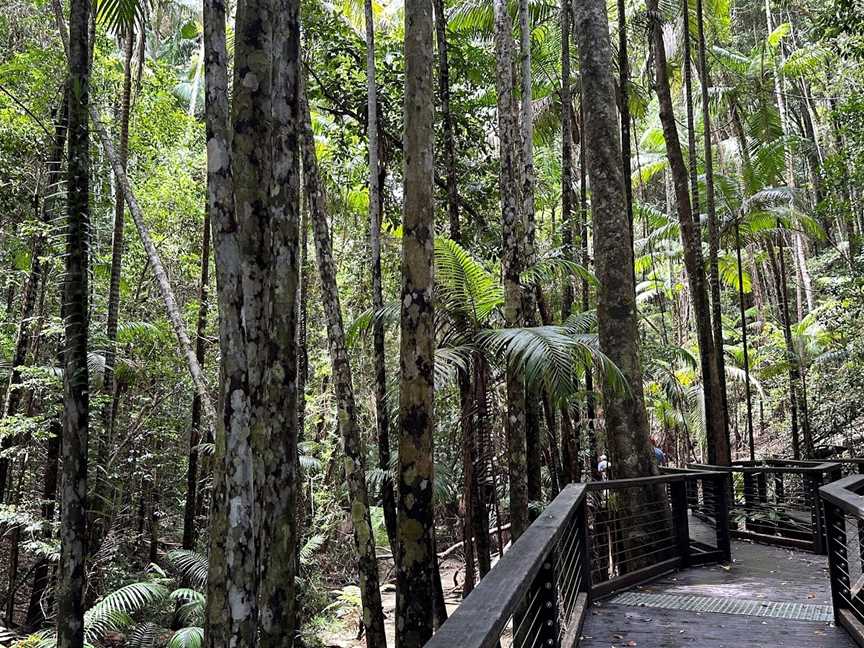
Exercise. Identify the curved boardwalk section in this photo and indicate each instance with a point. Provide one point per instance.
(770, 596)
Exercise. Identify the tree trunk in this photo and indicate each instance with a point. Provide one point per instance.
(109, 412)
(711, 209)
(171, 307)
(513, 233)
(278, 523)
(416, 564)
(191, 505)
(36, 609)
(388, 497)
(718, 439)
(355, 474)
(447, 121)
(76, 401)
(626, 420)
(230, 568)
(37, 273)
(743, 313)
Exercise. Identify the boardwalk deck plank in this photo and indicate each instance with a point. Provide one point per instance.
(759, 572)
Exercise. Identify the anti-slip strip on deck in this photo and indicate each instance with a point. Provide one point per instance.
(719, 605)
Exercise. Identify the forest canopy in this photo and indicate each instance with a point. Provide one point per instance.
(307, 309)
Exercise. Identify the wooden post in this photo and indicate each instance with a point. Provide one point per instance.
(721, 513)
(750, 507)
(678, 494)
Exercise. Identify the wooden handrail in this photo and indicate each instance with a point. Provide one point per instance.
(481, 618)
(844, 494)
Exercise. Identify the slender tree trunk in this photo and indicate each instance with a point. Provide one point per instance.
(449, 140)
(171, 307)
(191, 505)
(624, 109)
(626, 420)
(36, 608)
(416, 562)
(533, 440)
(711, 209)
(355, 473)
(743, 313)
(590, 411)
(513, 232)
(388, 497)
(109, 411)
(76, 401)
(718, 439)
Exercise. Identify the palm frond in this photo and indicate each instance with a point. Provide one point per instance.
(190, 565)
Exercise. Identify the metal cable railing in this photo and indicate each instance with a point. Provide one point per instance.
(775, 501)
(592, 540)
(843, 507)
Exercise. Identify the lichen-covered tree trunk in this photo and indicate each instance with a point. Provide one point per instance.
(626, 420)
(76, 401)
(415, 559)
(718, 439)
(278, 533)
(382, 419)
(230, 602)
(355, 472)
(512, 262)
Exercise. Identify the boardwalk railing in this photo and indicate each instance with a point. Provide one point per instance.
(591, 541)
(843, 504)
(775, 501)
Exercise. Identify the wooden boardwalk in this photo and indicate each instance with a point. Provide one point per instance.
(760, 577)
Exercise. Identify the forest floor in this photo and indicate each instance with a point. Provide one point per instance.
(344, 634)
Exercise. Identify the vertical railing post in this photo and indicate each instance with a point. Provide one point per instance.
(542, 616)
(721, 512)
(585, 557)
(750, 507)
(838, 559)
(681, 525)
(814, 481)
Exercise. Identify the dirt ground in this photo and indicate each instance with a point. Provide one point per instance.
(346, 636)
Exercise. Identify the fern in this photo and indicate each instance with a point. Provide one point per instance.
(187, 638)
(190, 565)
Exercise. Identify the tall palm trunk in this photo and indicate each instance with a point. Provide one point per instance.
(416, 560)
(513, 233)
(76, 401)
(717, 430)
(191, 504)
(388, 497)
(449, 140)
(626, 420)
(349, 425)
(109, 412)
(743, 314)
(711, 210)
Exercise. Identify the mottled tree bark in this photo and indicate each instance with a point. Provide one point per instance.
(278, 532)
(76, 400)
(382, 419)
(416, 562)
(512, 263)
(626, 420)
(718, 440)
(229, 618)
(355, 475)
